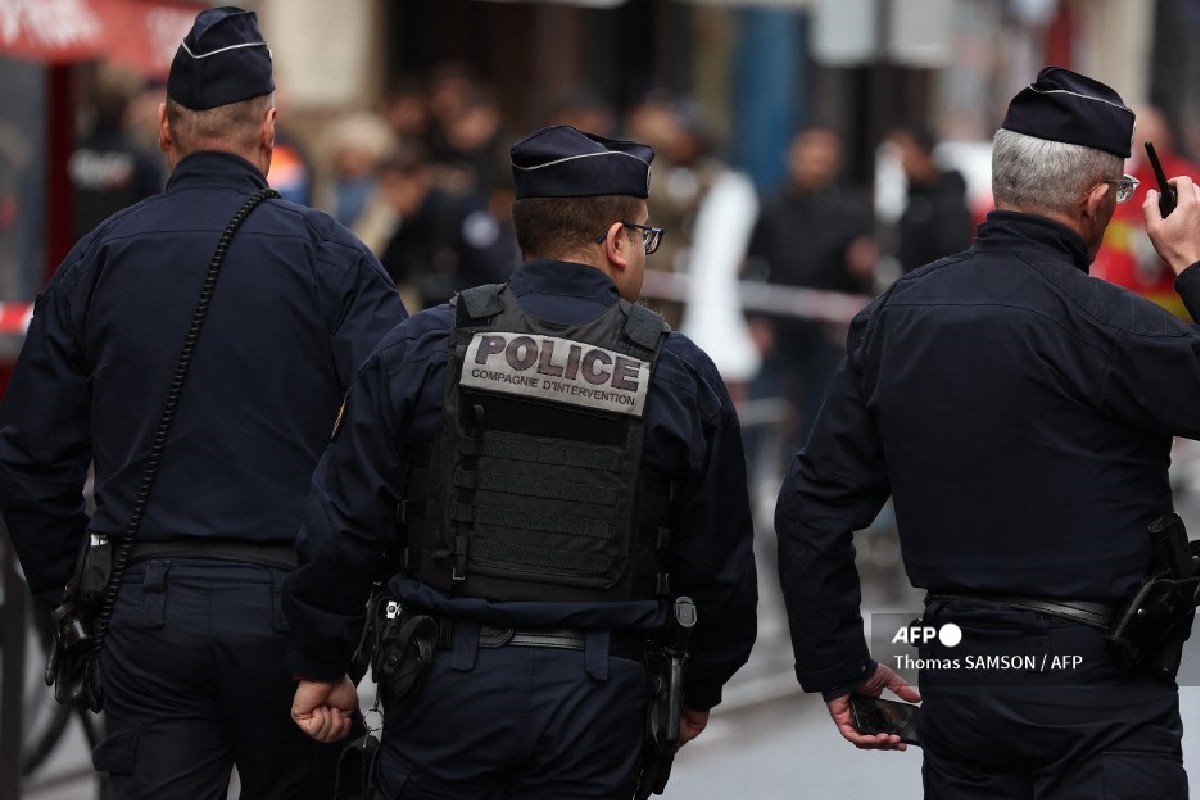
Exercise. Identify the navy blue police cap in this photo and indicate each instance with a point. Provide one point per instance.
(1064, 106)
(222, 60)
(561, 161)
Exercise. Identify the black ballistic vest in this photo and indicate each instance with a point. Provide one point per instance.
(533, 488)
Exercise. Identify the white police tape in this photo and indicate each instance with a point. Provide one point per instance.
(767, 298)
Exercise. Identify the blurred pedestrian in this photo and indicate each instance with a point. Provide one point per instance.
(477, 145)
(109, 167)
(675, 128)
(357, 144)
(1020, 414)
(812, 234)
(936, 221)
(583, 109)
(554, 500)
(449, 86)
(406, 111)
(201, 455)
(430, 241)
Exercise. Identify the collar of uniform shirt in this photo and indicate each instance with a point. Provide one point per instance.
(1008, 228)
(215, 167)
(547, 288)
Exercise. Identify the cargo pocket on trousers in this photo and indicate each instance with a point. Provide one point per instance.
(1144, 776)
(117, 753)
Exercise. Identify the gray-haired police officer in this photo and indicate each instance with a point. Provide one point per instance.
(562, 464)
(192, 666)
(1020, 413)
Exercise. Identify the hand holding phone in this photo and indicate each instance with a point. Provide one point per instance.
(1167, 196)
(873, 715)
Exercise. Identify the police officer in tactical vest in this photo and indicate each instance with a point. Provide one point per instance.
(1020, 413)
(538, 470)
(194, 349)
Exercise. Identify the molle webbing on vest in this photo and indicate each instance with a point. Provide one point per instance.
(533, 495)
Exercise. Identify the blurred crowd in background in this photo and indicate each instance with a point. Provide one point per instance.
(797, 146)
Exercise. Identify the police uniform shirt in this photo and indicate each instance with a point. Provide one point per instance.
(1019, 412)
(691, 435)
(299, 304)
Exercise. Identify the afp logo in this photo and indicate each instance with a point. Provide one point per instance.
(917, 633)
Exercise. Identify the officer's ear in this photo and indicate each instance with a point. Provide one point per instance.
(1096, 203)
(616, 246)
(165, 140)
(267, 132)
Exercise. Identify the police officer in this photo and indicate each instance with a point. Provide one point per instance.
(1020, 413)
(192, 665)
(560, 466)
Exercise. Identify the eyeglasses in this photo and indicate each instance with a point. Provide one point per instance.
(1125, 185)
(651, 237)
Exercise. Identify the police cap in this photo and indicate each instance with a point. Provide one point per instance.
(1064, 106)
(561, 161)
(222, 60)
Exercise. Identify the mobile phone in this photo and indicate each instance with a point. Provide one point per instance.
(874, 715)
(1167, 196)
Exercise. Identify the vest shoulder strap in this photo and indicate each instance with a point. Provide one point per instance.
(473, 308)
(643, 327)
(480, 302)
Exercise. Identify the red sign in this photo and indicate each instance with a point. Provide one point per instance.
(141, 33)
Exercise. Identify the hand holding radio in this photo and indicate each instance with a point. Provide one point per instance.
(1168, 197)
(1175, 233)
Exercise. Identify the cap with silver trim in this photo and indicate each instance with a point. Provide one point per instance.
(1064, 106)
(561, 161)
(223, 59)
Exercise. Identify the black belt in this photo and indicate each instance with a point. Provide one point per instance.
(1098, 615)
(263, 554)
(622, 644)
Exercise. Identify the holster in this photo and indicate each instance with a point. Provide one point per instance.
(358, 769)
(1149, 631)
(403, 651)
(1152, 626)
(73, 666)
(664, 670)
(658, 748)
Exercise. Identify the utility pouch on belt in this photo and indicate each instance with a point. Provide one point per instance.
(1150, 629)
(664, 669)
(404, 651)
(72, 667)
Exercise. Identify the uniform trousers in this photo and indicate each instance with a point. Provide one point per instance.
(517, 723)
(195, 683)
(1057, 720)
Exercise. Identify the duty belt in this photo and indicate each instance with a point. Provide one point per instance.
(281, 555)
(1098, 615)
(622, 644)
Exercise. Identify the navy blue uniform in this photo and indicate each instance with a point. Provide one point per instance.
(195, 646)
(523, 721)
(1020, 413)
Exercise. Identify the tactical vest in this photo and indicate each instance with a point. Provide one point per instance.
(534, 488)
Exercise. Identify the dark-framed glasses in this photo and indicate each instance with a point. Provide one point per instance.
(1124, 186)
(651, 237)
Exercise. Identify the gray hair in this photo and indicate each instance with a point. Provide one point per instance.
(234, 126)
(1039, 174)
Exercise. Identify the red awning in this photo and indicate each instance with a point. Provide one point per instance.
(140, 33)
